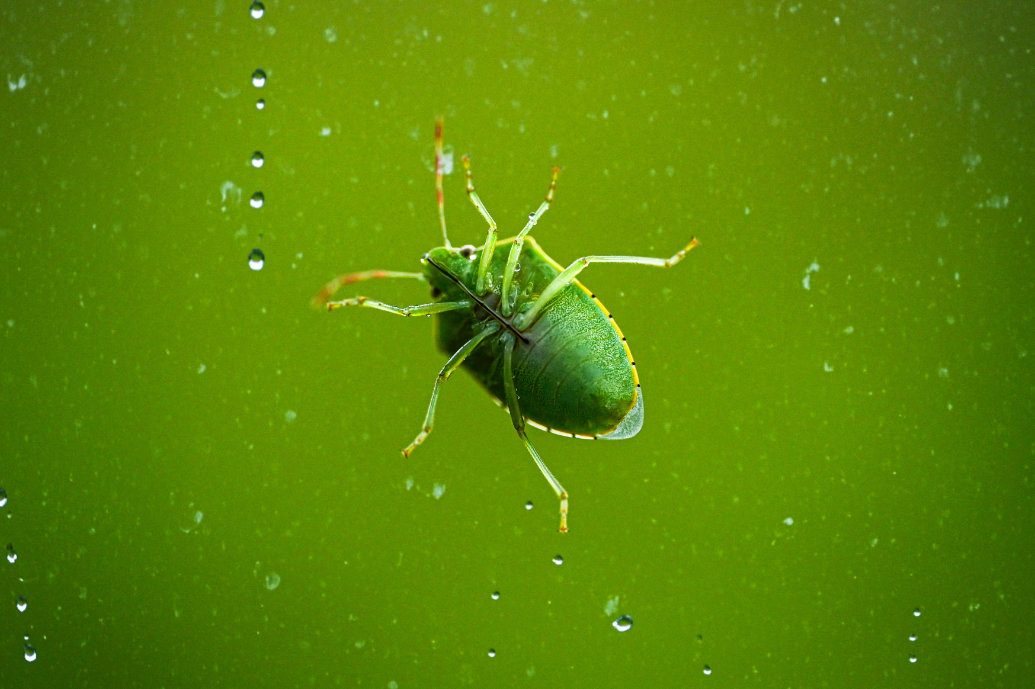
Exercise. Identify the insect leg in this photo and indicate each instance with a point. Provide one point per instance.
(443, 375)
(489, 247)
(565, 277)
(519, 425)
(337, 283)
(519, 241)
(417, 310)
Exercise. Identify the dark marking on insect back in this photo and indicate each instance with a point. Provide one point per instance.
(492, 312)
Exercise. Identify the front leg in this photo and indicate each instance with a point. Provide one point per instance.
(417, 310)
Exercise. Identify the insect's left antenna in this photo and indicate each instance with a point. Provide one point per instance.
(438, 182)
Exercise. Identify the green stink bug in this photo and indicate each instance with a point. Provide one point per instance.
(540, 342)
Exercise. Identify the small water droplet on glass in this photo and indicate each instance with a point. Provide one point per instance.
(623, 623)
(912, 637)
(258, 199)
(3, 497)
(272, 580)
(256, 259)
(30, 652)
(492, 652)
(258, 160)
(495, 595)
(21, 604)
(258, 78)
(707, 669)
(916, 612)
(912, 659)
(260, 104)
(12, 556)
(558, 560)
(528, 505)
(257, 9)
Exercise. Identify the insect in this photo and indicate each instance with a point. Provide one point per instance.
(536, 338)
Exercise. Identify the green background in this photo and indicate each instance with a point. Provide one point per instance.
(838, 383)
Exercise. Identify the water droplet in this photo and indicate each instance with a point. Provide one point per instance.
(256, 259)
(272, 580)
(558, 560)
(707, 669)
(258, 200)
(492, 652)
(12, 556)
(260, 104)
(257, 9)
(495, 595)
(912, 637)
(258, 78)
(623, 623)
(3, 497)
(916, 612)
(528, 505)
(21, 604)
(912, 659)
(30, 652)
(258, 160)
(290, 415)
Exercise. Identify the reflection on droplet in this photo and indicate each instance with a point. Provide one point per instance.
(256, 259)
(912, 659)
(260, 104)
(258, 160)
(258, 78)
(21, 604)
(30, 652)
(3, 497)
(272, 580)
(916, 612)
(495, 595)
(912, 637)
(528, 505)
(707, 669)
(257, 200)
(257, 9)
(12, 556)
(558, 560)
(623, 623)
(492, 652)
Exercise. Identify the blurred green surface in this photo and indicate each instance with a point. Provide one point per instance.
(838, 387)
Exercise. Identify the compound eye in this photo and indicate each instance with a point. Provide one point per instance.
(467, 250)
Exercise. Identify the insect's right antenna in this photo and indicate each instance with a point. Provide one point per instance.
(438, 182)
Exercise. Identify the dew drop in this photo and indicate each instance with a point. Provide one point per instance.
(258, 160)
(30, 653)
(272, 580)
(12, 556)
(558, 560)
(256, 259)
(3, 497)
(492, 652)
(260, 104)
(623, 623)
(258, 78)
(495, 595)
(258, 200)
(707, 669)
(21, 604)
(257, 9)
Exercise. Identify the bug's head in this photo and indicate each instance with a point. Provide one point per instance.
(444, 267)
